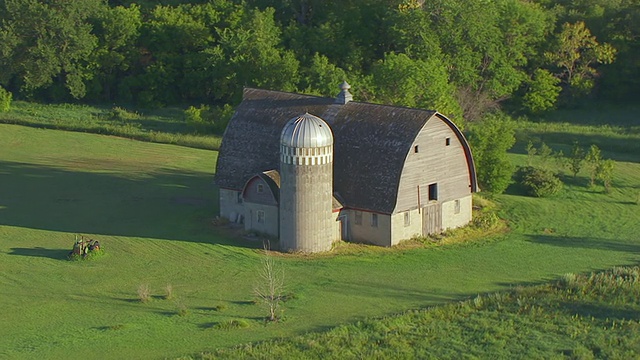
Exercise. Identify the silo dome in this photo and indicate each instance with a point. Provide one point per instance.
(306, 131)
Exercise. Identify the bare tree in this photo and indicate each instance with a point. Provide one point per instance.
(270, 286)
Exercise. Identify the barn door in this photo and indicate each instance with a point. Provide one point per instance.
(432, 219)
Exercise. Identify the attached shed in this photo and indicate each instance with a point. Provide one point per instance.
(397, 171)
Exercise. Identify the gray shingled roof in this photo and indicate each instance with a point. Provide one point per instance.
(371, 143)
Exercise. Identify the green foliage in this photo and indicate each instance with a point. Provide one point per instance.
(542, 93)
(604, 172)
(61, 50)
(162, 126)
(574, 53)
(576, 159)
(5, 99)
(586, 315)
(415, 83)
(593, 158)
(194, 117)
(490, 140)
(539, 182)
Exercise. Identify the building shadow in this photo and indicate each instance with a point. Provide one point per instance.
(165, 204)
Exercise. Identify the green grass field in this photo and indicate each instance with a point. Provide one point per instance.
(151, 205)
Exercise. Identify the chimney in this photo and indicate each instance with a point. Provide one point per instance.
(344, 96)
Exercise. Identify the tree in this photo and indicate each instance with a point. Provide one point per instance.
(576, 159)
(270, 286)
(593, 160)
(542, 93)
(490, 139)
(574, 53)
(48, 43)
(401, 80)
(604, 172)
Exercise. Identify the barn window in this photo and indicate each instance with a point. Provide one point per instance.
(433, 192)
(456, 207)
(415, 149)
(374, 220)
(407, 218)
(447, 141)
(260, 216)
(260, 188)
(239, 198)
(358, 217)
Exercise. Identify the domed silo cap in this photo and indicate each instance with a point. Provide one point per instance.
(306, 131)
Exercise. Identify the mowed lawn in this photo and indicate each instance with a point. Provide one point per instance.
(151, 206)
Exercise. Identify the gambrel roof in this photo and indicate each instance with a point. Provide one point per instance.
(371, 143)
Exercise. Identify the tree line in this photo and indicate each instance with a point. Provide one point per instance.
(461, 57)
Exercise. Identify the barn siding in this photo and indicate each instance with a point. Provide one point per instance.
(401, 232)
(451, 220)
(435, 162)
(230, 208)
(365, 233)
(271, 217)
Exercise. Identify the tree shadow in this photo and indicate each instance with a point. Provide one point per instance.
(56, 254)
(585, 243)
(165, 204)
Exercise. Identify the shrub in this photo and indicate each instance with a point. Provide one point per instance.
(144, 293)
(197, 118)
(485, 220)
(539, 182)
(168, 292)
(121, 114)
(232, 324)
(5, 100)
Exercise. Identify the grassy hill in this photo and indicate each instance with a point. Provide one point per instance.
(151, 207)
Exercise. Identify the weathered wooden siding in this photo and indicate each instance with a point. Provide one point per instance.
(451, 219)
(435, 162)
(365, 232)
(399, 228)
(432, 218)
(251, 193)
(269, 224)
(230, 208)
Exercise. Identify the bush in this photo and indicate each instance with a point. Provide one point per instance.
(539, 182)
(5, 100)
(121, 114)
(232, 324)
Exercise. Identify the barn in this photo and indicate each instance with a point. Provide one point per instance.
(313, 170)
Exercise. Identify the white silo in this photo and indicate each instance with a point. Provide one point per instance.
(306, 185)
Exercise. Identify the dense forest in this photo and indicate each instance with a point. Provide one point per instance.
(462, 57)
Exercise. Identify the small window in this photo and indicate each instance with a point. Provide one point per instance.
(407, 218)
(447, 141)
(433, 192)
(374, 220)
(239, 198)
(358, 217)
(415, 149)
(260, 188)
(260, 215)
(456, 208)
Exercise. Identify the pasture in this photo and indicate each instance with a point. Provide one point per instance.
(151, 205)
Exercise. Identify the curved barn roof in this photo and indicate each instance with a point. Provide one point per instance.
(371, 143)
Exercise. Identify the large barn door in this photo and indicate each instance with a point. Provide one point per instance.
(432, 219)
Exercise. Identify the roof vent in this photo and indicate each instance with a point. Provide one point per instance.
(344, 96)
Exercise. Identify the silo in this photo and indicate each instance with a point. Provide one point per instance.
(306, 185)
